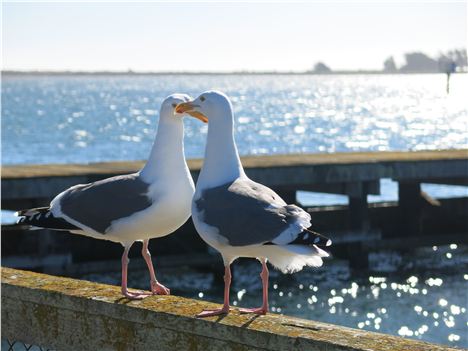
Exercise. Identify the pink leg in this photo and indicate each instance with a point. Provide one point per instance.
(156, 287)
(225, 308)
(133, 296)
(264, 308)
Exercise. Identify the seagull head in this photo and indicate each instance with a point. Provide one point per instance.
(170, 103)
(210, 105)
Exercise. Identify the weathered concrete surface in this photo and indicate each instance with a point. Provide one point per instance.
(77, 315)
(319, 172)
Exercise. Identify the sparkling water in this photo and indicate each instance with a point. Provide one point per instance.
(80, 119)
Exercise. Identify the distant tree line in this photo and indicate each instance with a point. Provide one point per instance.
(418, 62)
(453, 60)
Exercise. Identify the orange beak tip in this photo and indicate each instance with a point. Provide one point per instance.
(188, 107)
(198, 115)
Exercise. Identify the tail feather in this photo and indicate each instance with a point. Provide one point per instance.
(31, 211)
(292, 258)
(42, 217)
(309, 237)
(312, 250)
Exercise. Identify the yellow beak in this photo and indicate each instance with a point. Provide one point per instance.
(189, 107)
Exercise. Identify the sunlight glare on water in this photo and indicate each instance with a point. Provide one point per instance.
(80, 119)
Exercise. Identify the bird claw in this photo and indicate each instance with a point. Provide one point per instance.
(138, 295)
(213, 312)
(257, 310)
(159, 289)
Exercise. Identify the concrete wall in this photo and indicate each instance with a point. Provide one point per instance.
(77, 315)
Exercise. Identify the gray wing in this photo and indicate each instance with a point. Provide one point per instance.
(246, 212)
(97, 204)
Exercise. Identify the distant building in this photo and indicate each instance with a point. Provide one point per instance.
(419, 62)
(320, 67)
(389, 65)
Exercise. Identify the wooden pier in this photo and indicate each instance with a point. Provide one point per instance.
(355, 175)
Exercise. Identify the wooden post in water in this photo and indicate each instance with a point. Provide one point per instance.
(358, 222)
(449, 68)
(358, 206)
(410, 203)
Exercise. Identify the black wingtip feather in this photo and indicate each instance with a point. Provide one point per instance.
(309, 237)
(41, 217)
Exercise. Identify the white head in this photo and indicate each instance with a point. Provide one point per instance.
(209, 106)
(167, 154)
(222, 163)
(168, 106)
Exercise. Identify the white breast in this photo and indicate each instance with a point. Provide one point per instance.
(171, 209)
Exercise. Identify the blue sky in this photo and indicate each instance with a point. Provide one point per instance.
(224, 36)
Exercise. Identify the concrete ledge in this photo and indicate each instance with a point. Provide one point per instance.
(73, 314)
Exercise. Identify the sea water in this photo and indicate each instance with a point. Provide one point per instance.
(81, 119)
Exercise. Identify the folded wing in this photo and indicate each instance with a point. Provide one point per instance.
(249, 213)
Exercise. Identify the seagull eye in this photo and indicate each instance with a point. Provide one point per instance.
(174, 105)
(202, 98)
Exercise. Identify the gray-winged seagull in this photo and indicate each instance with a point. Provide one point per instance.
(150, 203)
(242, 218)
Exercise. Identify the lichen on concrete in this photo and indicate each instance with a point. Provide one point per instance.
(80, 315)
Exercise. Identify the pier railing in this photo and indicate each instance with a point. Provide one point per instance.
(61, 313)
(354, 174)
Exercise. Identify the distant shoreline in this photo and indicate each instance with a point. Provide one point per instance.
(189, 73)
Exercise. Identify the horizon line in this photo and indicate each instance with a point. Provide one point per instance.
(237, 72)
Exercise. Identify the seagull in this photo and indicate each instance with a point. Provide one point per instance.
(150, 203)
(242, 218)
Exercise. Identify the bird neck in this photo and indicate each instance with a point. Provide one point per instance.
(222, 163)
(167, 154)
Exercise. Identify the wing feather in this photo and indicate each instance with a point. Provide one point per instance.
(248, 213)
